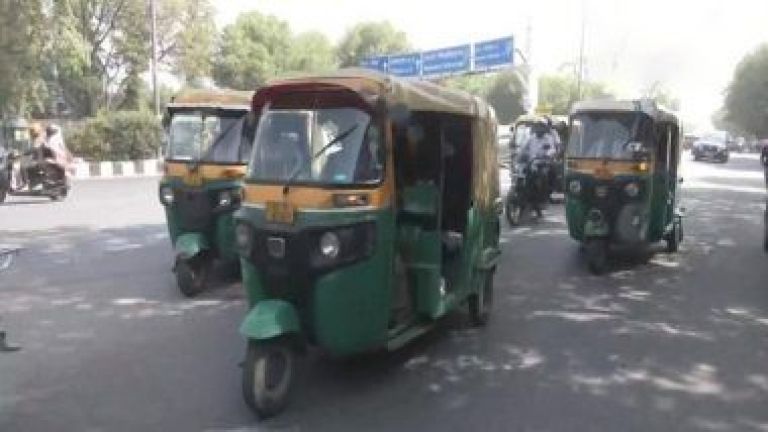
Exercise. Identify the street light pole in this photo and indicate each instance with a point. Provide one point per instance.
(581, 50)
(155, 90)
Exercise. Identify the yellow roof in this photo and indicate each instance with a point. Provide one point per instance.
(221, 98)
(416, 95)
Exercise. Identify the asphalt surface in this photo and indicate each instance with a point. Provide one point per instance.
(108, 344)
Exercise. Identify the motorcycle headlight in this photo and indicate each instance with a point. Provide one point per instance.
(243, 238)
(166, 195)
(330, 245)
(225, 198)
(574, 187)
(632, 189)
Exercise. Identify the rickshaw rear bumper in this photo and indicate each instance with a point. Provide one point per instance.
(270, 319)
(189, 245)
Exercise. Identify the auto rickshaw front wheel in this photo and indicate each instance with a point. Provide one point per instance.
(192, 274)
(480, 303)
(267, 379)
(597, 255)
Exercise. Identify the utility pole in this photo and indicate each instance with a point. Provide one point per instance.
(580, 76)
(155, 90)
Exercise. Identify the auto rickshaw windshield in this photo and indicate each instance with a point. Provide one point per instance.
(331, 146)
(606, 135)
(207, 137)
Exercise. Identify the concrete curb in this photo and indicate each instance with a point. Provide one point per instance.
(113, 169)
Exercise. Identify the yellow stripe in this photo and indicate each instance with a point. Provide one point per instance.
(204, 172)
(603, 168)
(303, 197)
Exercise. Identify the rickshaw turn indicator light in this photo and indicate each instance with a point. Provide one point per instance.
(166, 195)
(351, 200)
(574, 187)
(330, 245)
(642, 166)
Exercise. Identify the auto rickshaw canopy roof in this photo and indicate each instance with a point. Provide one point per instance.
(414, 94)
(221, 98)
(645, 106)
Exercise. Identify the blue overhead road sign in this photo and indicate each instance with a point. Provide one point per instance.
(405, 65)
(494, 54)
(379, 63)
(447, 61)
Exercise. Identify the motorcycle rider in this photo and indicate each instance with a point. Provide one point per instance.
(542, 143)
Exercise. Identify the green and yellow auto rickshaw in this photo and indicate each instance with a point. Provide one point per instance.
(209, 137)
(370, 211)
(622, 177)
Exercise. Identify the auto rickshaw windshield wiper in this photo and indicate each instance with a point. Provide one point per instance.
(338, 138)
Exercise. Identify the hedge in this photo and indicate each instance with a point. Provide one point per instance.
(118, 135)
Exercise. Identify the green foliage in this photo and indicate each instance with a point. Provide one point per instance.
(506, 96)
(558, 92)
(22, 25)
(370, 38)
(252, 50)
(187, 37)
(746, 100)
(503, 91)
(311, 52)
(120, 135)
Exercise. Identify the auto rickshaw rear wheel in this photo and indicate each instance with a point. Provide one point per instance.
(597, 255)
(480, 303)
(192, 274)
(267, 378)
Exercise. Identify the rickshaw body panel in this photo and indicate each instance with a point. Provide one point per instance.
(218, 234)
(348, 310)
(655, 206)
(344, 310)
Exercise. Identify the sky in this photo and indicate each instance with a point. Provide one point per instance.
(690, 47)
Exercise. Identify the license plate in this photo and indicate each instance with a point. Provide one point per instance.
(280, 212)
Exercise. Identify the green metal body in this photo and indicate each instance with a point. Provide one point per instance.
(218, 237)
(349, 309)
(657, 203)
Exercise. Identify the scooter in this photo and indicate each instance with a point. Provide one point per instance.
(34, 173)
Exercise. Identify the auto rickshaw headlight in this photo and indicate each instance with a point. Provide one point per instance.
(225, 198)
(632, 189)
(574, 187)
(330, 245)
(166, 195)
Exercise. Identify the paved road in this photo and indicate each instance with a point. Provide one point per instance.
(680, 343)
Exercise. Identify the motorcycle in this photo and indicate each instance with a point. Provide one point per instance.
(531, 188)
(34, 172)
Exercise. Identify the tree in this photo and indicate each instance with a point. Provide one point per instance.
(252, 50)
(22, 39)
(506, 94)
(658, 92)
(558, 92)
(187, 38)
(746, 99)
(98, 48)
(311, 52)
(368, 39)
